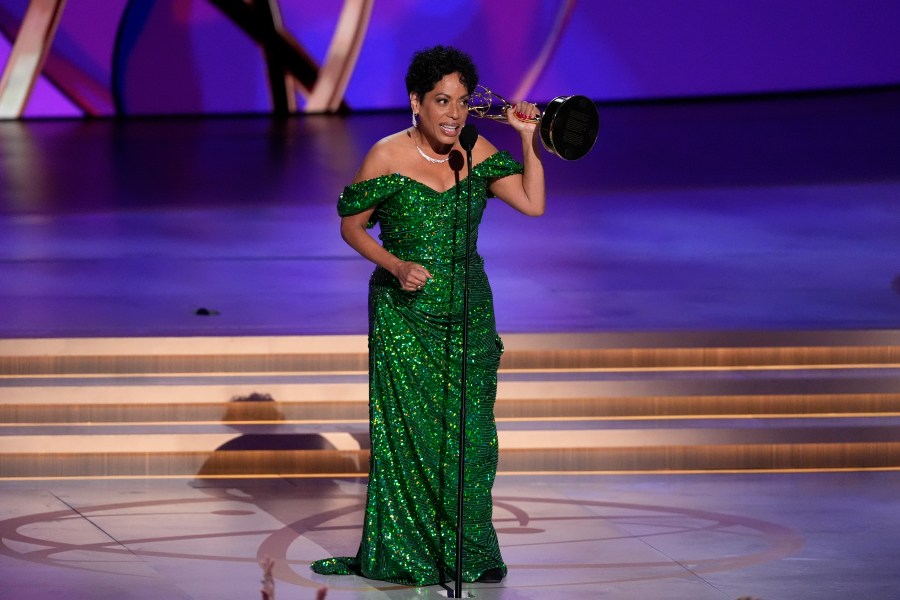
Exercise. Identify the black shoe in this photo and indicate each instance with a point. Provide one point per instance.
(494, 575)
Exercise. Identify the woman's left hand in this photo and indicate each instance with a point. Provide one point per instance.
(519, 114)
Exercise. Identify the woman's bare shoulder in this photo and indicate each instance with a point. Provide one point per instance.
(483, 149)
(383, 156)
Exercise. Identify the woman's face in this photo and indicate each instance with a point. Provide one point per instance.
(443, 110)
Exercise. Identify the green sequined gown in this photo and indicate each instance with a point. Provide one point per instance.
(415, 350)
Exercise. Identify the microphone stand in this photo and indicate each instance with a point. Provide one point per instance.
(468, 137)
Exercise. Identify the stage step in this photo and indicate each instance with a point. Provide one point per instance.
(581, 403)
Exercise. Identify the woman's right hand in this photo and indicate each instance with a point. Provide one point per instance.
(412, 276)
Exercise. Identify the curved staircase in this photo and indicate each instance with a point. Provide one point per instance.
(567, 403)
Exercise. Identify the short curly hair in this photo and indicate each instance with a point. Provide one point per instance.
(427, 67)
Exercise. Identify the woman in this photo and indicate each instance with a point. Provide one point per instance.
(409, 185)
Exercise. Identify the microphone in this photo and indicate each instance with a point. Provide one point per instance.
(467, 137)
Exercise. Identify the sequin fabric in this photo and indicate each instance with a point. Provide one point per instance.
(415, 353)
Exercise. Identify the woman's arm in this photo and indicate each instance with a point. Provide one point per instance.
(412, 276)
(354, 230)
(526, 192)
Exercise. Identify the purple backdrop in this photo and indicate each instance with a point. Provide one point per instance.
(186, 56)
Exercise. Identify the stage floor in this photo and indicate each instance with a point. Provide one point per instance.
(768, 214)
(826, 536)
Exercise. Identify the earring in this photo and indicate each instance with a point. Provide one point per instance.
(415, 124)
